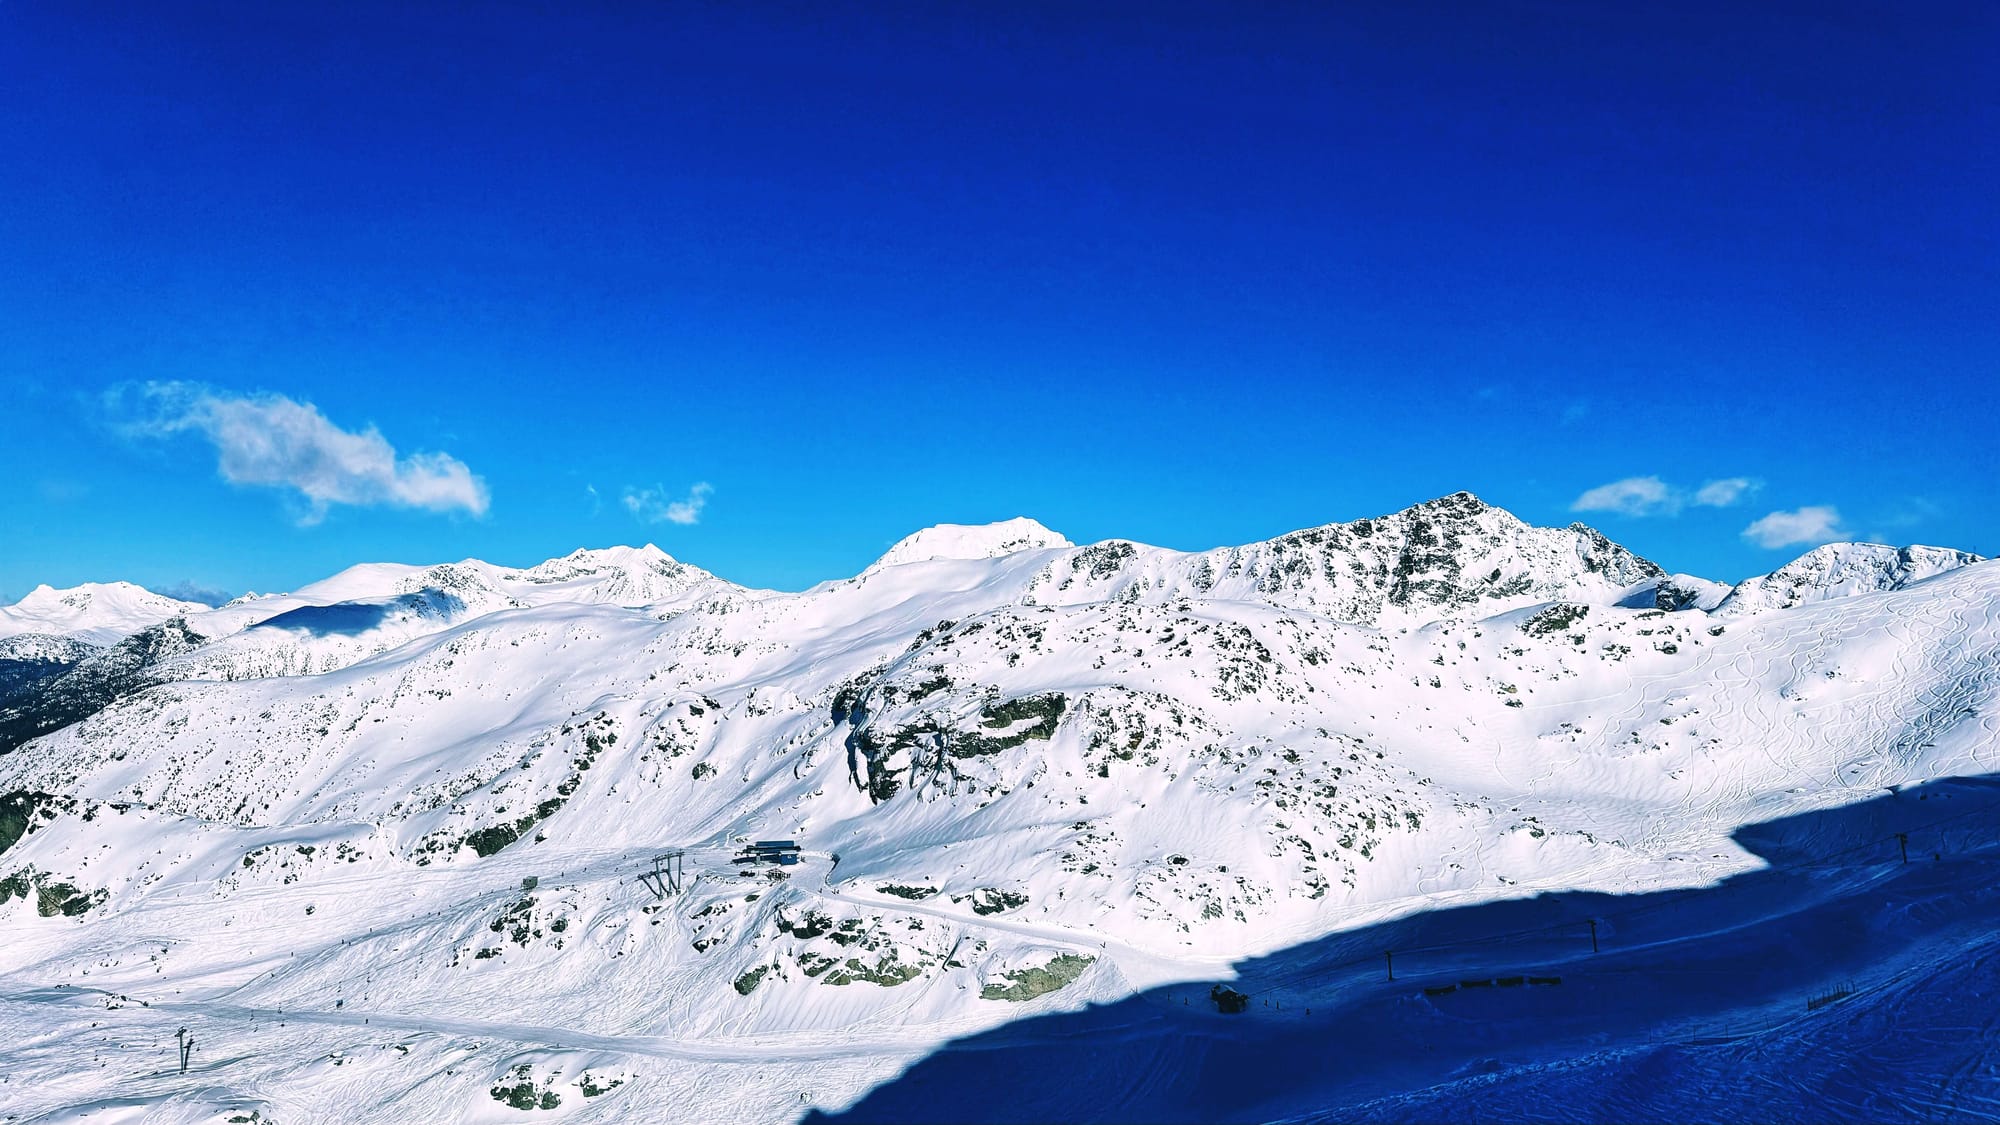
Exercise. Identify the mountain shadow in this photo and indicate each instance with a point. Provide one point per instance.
(81, 690)
(1852, 979)
(343, 619)
(21, 676)
(358, 617)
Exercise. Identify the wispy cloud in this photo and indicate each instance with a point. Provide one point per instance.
(654, 505)
(274, 441)
(1651, 496)
(1813, 524)
(1724, 493)
(1633, 496)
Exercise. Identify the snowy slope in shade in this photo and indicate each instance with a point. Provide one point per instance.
(28, 661)
(1682, 591)
(1676, 1006)
(1083, 772)
(97, 613)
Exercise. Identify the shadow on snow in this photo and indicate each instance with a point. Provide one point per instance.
(1694, 1007)
(356, 618)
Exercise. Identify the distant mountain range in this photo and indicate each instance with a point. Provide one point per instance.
(408, 806)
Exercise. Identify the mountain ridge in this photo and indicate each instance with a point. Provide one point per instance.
(1413, 569)
(1022, 783)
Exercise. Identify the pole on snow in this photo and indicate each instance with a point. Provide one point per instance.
(1593, 935)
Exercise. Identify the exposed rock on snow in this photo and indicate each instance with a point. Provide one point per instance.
(1450, 558)
(1027, 776)
(1842, 570)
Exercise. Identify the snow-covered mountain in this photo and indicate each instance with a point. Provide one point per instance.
(356, 614)
(962, 541)
(1451, 558)
(410, 808)
(370, 609)
(27, 659)
(95, 613)
(1841, 570)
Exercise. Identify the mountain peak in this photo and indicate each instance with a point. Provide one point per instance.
(617, 554)
(971, 541)
(1454, 556)
(1838, 570)
(585, 562)
(1459, 503)
(46, 597)
(98, 612)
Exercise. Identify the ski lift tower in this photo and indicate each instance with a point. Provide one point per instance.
(667, 876)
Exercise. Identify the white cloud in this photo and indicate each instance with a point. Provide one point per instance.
(275, 441)
(1651, 496)
(1814, 524)
(651, 505)
(1725, 493)
(1633, 496)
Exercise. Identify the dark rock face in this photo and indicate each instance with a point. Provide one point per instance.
(20, 678)
(20, 812)
(77, 692)
(883, 758)
(29, 659)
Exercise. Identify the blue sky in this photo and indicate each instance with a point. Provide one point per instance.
(282, 290)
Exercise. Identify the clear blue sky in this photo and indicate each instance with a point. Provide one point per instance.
(1188, 276)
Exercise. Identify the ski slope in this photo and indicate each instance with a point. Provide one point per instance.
(377, 843)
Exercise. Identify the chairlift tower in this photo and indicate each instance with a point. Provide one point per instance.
(667, 876)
